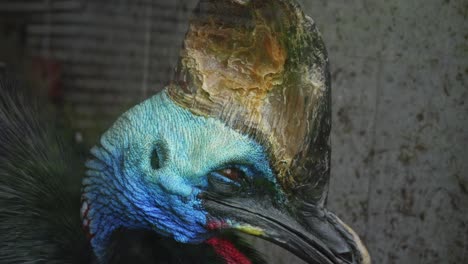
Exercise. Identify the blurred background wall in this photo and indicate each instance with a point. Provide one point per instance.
(400, 84)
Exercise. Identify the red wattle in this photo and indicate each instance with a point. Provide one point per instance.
(228, 251)
(216, 225)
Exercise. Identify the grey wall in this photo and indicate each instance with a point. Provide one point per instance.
(400, 129)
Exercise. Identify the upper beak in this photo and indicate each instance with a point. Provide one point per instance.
(313, 234)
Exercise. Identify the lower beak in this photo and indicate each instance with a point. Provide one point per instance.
(320, 243)
(317, 236)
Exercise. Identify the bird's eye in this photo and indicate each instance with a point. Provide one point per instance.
(155, 161)
(226, 181)
(232, 174)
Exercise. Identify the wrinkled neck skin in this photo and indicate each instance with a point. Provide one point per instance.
(113, 201)
(124, 189)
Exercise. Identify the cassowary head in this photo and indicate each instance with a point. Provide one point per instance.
(238, 141)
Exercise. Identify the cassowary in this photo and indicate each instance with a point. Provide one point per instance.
(237, 143)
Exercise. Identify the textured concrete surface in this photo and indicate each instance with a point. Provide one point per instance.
(400, 128)
(400, 84)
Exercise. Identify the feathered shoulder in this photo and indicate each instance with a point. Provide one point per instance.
(40, 175)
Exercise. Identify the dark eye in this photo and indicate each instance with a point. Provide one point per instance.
(232, 174)
(155, 161)
(226, 181)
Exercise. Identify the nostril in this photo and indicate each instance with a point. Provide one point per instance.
(347, 257)
(155, 160)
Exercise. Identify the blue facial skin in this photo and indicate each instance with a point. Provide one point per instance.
(152, 164)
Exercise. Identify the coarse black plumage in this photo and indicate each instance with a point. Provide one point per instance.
(40, 175)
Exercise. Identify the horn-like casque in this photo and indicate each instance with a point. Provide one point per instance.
(263, 70)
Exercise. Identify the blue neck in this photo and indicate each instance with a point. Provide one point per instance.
(106, 202)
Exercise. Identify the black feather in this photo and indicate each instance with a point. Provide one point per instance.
(40, 181)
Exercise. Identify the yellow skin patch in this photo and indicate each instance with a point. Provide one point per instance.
(251, 230)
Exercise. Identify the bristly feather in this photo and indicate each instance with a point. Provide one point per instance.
(40, 180)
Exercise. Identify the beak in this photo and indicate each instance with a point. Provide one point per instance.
(313, 234)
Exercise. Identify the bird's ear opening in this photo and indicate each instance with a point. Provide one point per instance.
(155, 160)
